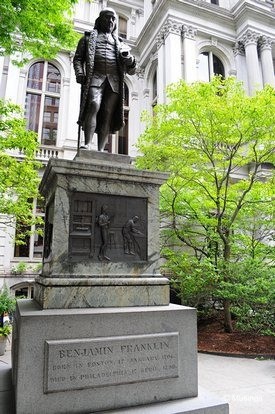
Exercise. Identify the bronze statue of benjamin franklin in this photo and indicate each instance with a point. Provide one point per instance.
(100, 63)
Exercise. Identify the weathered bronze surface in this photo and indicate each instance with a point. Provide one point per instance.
(101, 61)
(107, 228)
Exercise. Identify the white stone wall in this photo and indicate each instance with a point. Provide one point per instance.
(7, 233)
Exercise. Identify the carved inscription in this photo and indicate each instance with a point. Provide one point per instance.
(87, 363)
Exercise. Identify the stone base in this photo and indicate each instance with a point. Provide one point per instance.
(203, 404)
(59, 293)
(102, 157)
(90, 360)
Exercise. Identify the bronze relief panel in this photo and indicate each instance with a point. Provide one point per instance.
(107, 228)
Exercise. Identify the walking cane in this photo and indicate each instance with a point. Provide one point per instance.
(79, 125)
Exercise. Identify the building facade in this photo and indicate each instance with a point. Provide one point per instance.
(172, 40)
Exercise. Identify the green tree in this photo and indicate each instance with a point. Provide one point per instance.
(18, 174)
(217, 209)
(7, 304)
(39, 27)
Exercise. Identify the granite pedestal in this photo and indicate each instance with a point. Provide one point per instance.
(75, 192)
(89, 360)
(100, 333)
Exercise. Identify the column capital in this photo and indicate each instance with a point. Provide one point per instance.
(140, 72)
(169, 26)
(250, 38)
(189, 32)
(265, 43)
(238, 49)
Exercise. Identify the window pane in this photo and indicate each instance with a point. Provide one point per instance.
(23, 291)
(38, 243)
(35, 76)
(40, 206)
(47, 116)
(32, 111)
(155, 86)
(218, 66)
(204, 74)
(43, 119)
(22, 250)
(204, 66)
(50, 121)
(53, 79)
(122, 27)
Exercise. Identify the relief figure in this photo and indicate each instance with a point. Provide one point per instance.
(129, 232)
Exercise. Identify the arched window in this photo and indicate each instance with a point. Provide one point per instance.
(42, 101)
(23, 289)
(209, 65)
(122, 27)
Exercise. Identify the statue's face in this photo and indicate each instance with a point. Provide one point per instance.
(107, 22)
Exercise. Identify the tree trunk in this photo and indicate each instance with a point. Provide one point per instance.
(227, 316)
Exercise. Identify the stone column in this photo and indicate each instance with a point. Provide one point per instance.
(250, 40)
(13, 76)
(161, 68)
(22, 86)
(239, 54)
(169, 56)
(134, 123)
(173, 51)
(95, 7)
(64, 127)
(189, 53)
(267, 61)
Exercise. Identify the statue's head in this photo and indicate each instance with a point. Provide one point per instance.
(104, 208)
(106, 21)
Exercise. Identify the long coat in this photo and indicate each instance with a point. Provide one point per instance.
(84, 65)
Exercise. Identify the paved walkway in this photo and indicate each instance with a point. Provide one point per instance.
(248, 385)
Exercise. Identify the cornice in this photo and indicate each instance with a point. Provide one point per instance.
(198, 14)
(255, 11)
(163, 8)
(255, 5)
